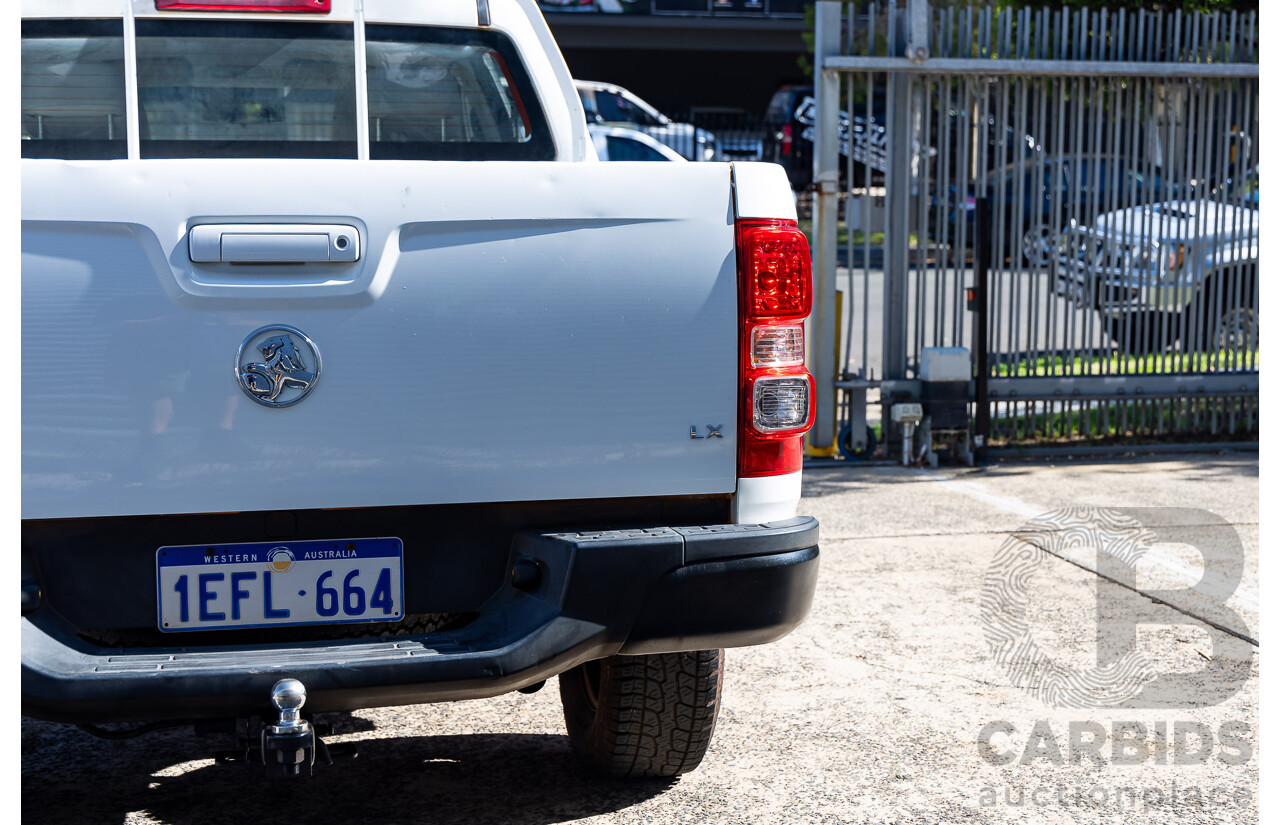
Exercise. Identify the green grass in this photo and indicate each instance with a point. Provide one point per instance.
(1132, 423)
(1121, 364)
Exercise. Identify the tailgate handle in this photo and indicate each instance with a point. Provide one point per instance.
(275, 243)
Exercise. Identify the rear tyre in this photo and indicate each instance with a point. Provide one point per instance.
(1236, 330)
(1037, 246)
(643, 716)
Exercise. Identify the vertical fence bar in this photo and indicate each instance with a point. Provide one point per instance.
(847, 83)
(898, 203)
(925, 295)
(826, 176)
(1000, 158)
(1023, 310)
(873, 14)
(1075, 320)
(1094, 143)
(981, 335)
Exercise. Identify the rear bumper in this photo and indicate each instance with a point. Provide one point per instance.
(600, 593)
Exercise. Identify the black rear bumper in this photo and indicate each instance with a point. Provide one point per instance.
(599, 593)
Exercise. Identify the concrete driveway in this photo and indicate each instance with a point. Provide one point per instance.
(888, 705)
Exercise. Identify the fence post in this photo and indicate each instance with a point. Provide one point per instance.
(898, 211)
(918, 45)
(981, 282)
(826, 179)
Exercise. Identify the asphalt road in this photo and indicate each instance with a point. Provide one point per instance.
(875, 710)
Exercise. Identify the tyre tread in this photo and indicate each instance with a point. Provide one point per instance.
(655, 715)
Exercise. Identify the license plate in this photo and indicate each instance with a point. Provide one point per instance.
(276, 584)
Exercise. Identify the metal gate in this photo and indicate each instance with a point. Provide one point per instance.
(1071, 195)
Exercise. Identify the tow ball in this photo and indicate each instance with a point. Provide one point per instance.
(289, 746)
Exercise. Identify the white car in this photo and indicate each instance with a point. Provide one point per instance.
(609, 105)
(614, 143)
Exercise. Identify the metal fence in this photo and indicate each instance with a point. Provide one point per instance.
(1107, 160)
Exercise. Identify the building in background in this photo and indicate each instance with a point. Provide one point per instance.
(681, 54)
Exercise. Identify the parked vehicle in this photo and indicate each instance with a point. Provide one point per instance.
(790, 121)
(739, 134)
(569, 5)
(1041, 195)
(609, 105)
(556, 430)
(613, 143)
(1174, 272)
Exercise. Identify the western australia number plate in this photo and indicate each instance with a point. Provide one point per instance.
(270, 584)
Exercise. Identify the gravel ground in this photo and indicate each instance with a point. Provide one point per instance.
(871, 712)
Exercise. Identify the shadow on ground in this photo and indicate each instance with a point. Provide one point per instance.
(473, 779)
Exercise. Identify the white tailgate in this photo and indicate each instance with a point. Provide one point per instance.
(513, 331)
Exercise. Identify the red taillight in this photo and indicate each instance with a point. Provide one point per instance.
(786, 140)
(776, 392)
(775, 269)
(285, 6)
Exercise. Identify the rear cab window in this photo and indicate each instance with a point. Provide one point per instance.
(448, 94)
(246, 89)
(278, 89)
(73, 92)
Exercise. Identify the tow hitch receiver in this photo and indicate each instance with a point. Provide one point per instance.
(289, 746)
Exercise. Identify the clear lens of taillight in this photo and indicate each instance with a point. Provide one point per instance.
(780, 404)
(777, 346)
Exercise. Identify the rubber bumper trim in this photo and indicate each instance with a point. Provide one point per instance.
(650, 590)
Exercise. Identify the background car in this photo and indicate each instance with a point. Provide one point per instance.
(609, 105)
(568, 5)
(1052, 191)
(739, 133)
(789, 125)
(614, 143)
(1163, 273)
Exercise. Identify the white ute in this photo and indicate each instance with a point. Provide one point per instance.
(351, 378)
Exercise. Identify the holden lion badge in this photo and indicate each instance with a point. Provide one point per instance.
(288, 368)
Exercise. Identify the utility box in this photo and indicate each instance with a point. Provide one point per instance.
(865, 213)
(944, 386)
(945, 364)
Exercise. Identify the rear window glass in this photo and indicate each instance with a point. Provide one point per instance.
(277, 89)
(450, 94)
(241, 89)
(73, 89)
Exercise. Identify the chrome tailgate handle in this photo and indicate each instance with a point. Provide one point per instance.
(261, 243)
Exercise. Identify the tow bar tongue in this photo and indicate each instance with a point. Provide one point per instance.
(289, 746)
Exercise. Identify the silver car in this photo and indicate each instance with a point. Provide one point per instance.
(1159, 274)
